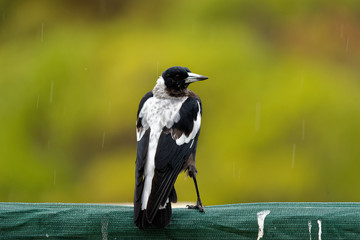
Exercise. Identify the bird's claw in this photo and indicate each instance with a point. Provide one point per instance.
(197, 206)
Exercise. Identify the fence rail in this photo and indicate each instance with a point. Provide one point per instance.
(235, 221)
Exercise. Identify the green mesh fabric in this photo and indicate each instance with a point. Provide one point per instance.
(237, 221)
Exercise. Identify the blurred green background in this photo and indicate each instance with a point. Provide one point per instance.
(281, 108)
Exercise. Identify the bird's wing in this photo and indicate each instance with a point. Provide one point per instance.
(143, 133)
(175, 146)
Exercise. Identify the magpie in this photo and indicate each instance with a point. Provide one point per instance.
(167, 129)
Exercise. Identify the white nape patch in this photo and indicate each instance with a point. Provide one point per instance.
(163, 207)
(320, 231)
(159, 90)
(183, 139)
(157, 112)
(261, 219)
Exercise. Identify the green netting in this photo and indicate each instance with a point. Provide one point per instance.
(237, 221)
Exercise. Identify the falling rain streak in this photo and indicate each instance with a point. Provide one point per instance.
(103, 141)
(54, 177)
(342, 31)
(234, 169)
(293, 156)
(347, 44)
(257, 117)
(157, 69)
(37, 102)
(109, 109)
(51, 92)
(303, 130)
(42, 32)
(238, 172)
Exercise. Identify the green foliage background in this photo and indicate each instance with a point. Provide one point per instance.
(281, 107)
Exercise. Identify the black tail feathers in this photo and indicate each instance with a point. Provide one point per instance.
(161, 219)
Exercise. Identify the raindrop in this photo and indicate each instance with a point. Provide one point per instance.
(103, 141)
(103, 7)
(347, 44)
(303, 130)
(51, 92)
(234, 169)
(47, 235)
(257, 117)
(10, 196)
(85, 68)
(157, 69)
(37, 102)
(54, 177)
(309, 225)
(109, 110)
(42, 32)
(302, 83)
(293, 156)
(342, 31)
(236, 172)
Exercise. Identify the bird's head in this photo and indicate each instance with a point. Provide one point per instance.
(177, 79)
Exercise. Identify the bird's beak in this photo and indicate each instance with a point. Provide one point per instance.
(193, 77)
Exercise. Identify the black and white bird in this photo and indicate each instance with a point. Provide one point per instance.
(168, 127)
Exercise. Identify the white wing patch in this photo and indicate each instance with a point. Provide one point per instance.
(186, 139)
(140, 132)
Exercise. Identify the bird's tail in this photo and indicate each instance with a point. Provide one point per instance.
(161, 219)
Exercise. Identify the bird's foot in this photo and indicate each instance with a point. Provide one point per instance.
(197, 206)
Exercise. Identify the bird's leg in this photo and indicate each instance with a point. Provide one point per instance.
(199, 205)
